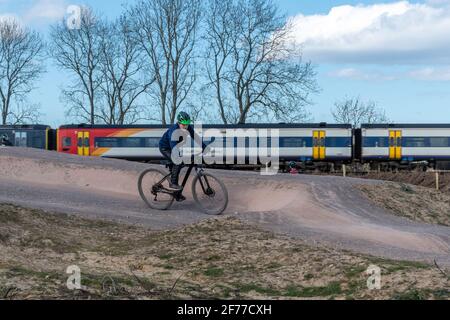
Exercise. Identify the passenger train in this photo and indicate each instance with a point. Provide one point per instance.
(315, 146)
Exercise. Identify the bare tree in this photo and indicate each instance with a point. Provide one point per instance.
(79, 51)
(218, 36)
(21, 55)
(254, 67)
(355, 112)
(167, 32)
(24, 112)
(123, 82)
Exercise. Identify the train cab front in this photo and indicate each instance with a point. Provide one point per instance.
(67, 141)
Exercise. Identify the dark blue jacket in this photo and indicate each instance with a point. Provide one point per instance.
(166, 140)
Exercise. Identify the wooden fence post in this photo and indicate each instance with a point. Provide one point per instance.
(437, 180)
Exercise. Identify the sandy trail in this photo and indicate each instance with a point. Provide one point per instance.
(316, 208)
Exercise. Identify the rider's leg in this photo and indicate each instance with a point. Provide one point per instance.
(174, 177)
(174, 172)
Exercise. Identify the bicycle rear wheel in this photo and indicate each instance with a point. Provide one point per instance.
(209, 193)
(153, 193)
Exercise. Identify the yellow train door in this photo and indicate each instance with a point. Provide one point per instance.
(319, 151)
(83, 143)
(398, 148)
(395, 144)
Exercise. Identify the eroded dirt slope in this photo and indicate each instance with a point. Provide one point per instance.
(318, 209)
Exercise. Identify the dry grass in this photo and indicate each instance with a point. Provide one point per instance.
(220, 258)
(413, 202)
(422, 179)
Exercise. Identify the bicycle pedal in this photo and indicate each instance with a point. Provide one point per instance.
(180, 198)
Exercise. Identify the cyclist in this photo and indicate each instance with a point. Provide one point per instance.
(166, 145)
(4, 141)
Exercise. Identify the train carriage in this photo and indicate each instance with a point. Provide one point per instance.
(30, 136)
(306, 143)
(406, 144)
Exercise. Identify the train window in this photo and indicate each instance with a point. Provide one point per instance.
(376, 142)
(392, 141)
(338, 142)
(21, 139)
(251, 142)
(66, 142)
(297, 142)
(80, 142)
(131, 142)
(315, 142)
(106, 142)
(438, 142)
(218, 142)
(410, 142)
(321, 142)
(151, 142)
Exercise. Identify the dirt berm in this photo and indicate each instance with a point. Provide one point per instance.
(323, 209)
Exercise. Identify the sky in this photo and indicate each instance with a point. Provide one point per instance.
(395, 53)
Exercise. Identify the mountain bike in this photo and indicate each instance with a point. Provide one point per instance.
(209, 193)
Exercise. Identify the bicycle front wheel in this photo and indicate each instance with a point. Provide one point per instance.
(151, 185)
(209, 193)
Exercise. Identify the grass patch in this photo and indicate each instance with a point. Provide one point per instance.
(20, 271)
(355, 271)
(274, 265)
(257, 288)
(214, 258)
(392, 266)
(168, 266)
(9, 217)
(213, 272)
(332, 288)
(411, 295)
(308, 276)
(239, 266)
(165, 256)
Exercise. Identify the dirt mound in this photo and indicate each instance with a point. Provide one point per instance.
(424, 179)
(327, 209)
(216, 259)
(51, 168)
(414, 202)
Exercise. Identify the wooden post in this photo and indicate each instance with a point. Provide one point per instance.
(344, 170)
(437, 180)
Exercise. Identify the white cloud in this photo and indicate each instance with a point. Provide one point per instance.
(441, 73)
(355, 74)
(45, 11)
(394, 33)
(431, 74)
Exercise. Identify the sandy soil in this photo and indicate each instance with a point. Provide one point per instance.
(217, 258)
(325, 210)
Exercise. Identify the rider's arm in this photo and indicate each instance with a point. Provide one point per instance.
(173, 143)
(196, 137)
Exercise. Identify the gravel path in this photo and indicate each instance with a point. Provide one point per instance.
(319, 209)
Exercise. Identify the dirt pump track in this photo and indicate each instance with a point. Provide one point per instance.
(320, 209)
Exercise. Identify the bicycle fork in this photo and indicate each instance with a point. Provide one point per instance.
(208, 190)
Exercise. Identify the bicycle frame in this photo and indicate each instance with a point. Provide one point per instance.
(207, 191)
